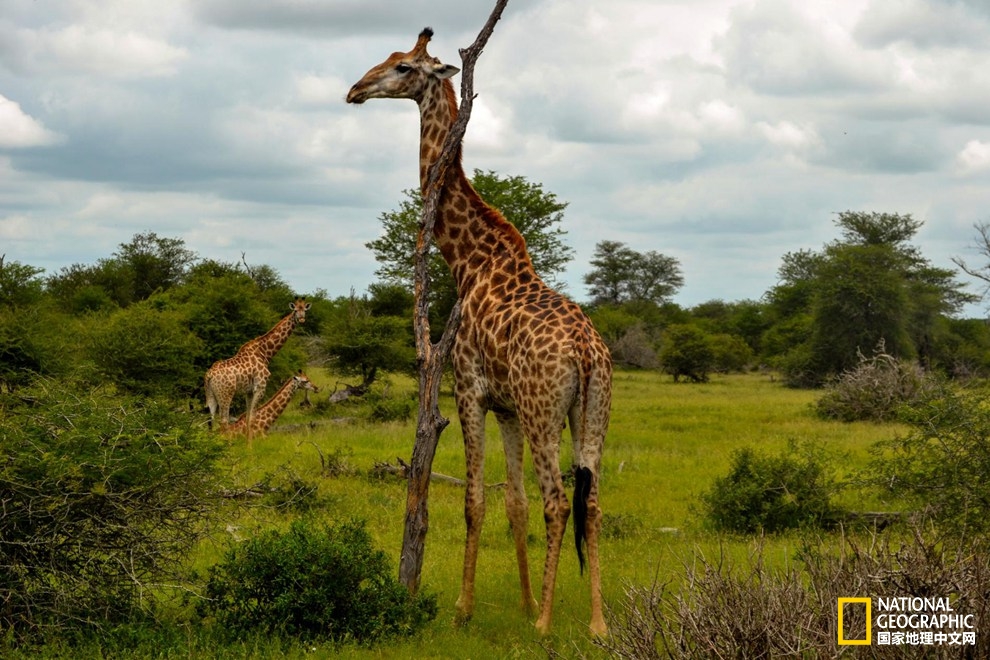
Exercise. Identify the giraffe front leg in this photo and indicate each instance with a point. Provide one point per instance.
(517, 505)
(473, 425)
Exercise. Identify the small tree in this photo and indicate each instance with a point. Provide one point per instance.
(687, 351)
(361, 343)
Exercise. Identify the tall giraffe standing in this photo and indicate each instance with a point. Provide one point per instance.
(268, 412)
(247, 372)
(523, 351)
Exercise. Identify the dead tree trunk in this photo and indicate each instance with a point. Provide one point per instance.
(432, 357)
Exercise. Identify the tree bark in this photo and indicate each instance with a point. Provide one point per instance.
(432, 357)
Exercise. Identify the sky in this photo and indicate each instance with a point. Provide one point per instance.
(723, 133)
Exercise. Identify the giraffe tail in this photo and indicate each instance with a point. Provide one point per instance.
(582, 489)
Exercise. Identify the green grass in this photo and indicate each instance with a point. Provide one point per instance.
(667, 443)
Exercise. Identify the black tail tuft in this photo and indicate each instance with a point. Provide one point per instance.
(582, 490)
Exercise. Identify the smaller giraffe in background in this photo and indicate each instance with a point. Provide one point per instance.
(247, 372)
(268, 412)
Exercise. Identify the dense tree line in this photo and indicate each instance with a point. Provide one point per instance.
(152, 317)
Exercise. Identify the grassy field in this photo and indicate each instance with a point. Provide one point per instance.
(667, 442)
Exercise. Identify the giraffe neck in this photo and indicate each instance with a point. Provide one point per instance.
(470, 234)
(278, 403)
(269, 343)
(264, 417)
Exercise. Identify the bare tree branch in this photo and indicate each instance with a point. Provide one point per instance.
(432, 357)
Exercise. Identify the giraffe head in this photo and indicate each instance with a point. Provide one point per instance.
(299, 308)
(402, 75)
(302, 382)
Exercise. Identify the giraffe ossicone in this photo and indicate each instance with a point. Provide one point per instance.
(523, 351)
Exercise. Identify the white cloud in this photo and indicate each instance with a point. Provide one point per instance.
(974, 157)
(787, 135)
(93, 50)
(320, 90)
(19, 130)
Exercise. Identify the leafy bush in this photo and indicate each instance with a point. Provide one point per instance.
(730, 353)
(876, 389)
(102, 497)
(943, 464)
(388, 409)
(146, 351)
(771, 493)
(314, 582)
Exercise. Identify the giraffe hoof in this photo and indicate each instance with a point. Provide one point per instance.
(542, 627)
(598, 629)
(530, 607)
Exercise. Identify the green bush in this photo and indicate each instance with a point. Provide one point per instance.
(102, 498)
(313, 582)
(145, 351)
(772, 493)
(943, 464)
(388, 409)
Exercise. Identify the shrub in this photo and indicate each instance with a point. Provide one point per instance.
(387, 409)
(875, 389)
(634, 349)
(772, 493)
(314, 582)
(102, 497)
(687, 351)
(943, 463)
(145, 351)
(752, 611)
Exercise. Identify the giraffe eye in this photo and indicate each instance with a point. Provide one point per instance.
(403, 68)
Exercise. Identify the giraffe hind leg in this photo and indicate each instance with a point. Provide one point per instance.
(556, 511)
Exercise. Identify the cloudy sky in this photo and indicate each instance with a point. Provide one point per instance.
(724, 133)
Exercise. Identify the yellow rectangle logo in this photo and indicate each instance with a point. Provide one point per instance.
(869, 622)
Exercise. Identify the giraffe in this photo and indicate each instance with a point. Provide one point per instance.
(247, 371)
(523, 351)
(268, 412)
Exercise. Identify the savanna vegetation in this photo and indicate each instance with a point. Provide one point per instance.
(764, 458)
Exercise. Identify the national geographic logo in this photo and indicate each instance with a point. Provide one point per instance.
(903, 621)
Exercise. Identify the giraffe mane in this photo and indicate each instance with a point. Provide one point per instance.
(489, 214)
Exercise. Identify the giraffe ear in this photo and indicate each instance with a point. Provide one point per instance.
(444, 71)
(308, 305)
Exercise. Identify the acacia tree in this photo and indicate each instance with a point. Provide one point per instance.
(535, 212)
(870, 285)
(620, 274)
